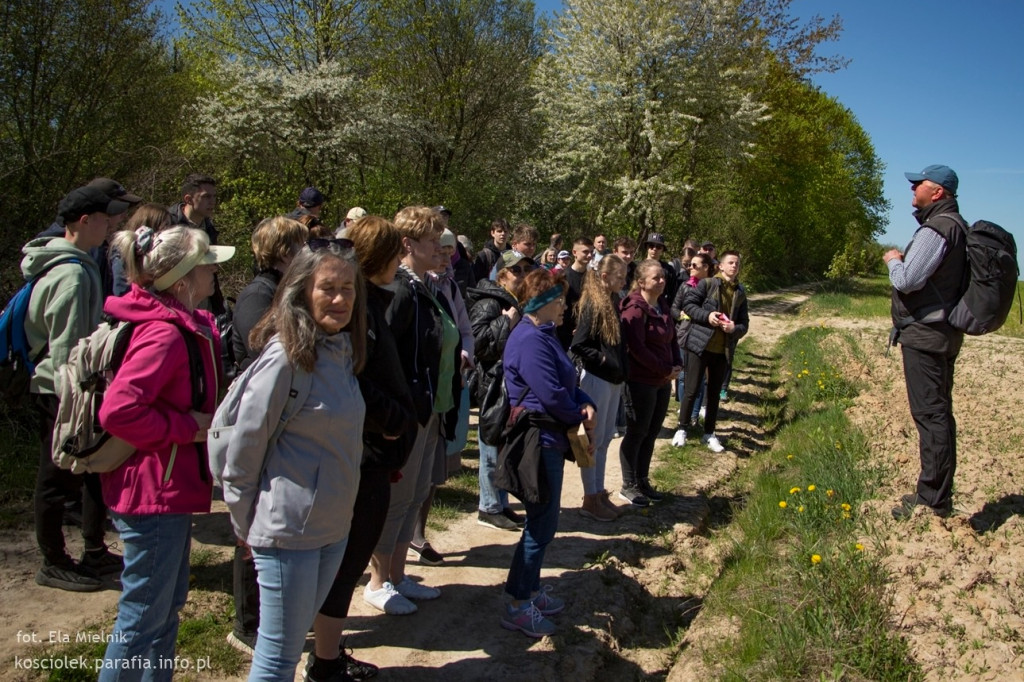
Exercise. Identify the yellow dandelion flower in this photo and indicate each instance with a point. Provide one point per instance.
(839, 446)
(860, 547)
(794, 491)
(782, 504)
(789, 456)
(811, 488)
(800, 508)
(830, 492)
(846, 515)
(815, 558)
(845, 506)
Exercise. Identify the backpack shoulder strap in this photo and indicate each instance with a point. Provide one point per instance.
(302, 383)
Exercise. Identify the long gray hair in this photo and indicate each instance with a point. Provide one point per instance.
(290, 318)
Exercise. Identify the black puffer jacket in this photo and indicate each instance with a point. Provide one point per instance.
(491, 328)
(702, 300)
(415, 323)
(389, 408)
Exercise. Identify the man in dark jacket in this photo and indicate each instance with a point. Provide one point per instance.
(926, 284)
(311, 202)
(717, 308)
(488, 256)
(655, 250)
(198, 202)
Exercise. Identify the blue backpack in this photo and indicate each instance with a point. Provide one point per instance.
(16, 366)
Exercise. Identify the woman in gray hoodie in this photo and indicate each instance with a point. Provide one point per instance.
(291, 499)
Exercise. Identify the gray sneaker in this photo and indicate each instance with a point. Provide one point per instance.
(499, 521)
(68, 575)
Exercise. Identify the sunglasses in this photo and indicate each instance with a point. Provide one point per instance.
(319, 243)
(520, 269)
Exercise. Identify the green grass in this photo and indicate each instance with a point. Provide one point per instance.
(810, 601)
(19, 460)
(458, 496)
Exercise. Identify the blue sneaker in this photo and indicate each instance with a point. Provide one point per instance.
(546, 604)
(528, 620)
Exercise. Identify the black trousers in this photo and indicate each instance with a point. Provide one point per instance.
(716, 365)
(54, 486)
(646, 407)
(929, 378)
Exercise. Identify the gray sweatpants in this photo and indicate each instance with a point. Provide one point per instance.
(408, 494)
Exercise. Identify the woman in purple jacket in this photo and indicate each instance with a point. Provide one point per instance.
(540, 377)
(654, 363)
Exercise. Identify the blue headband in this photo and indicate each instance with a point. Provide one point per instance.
(541, 300)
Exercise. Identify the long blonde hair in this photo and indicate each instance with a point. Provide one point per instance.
(596, 302)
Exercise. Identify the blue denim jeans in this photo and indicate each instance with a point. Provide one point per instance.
(492, 499)
(154, 588)
(541, 524)
(293, 585)
(606, 401)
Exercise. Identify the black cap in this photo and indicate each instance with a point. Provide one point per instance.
(86, 200)
(115, 190)
(655, 238)
(443, 209)
(311, 197)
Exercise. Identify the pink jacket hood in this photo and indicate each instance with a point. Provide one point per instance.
(149, 404)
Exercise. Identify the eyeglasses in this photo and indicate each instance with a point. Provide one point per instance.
(319, 243)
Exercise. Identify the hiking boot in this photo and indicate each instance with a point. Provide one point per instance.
(68, 575)
(102, 562)
(634, 496)
(714, 445)
(528, 620)
(498, 520)
(679, 440)
(605, 498)
(513, 517)
(243, 642)
(388, 600)
(593, 509)
(908, 503)
(410, 589)
(426, 554)
(546, 604)
(649, 492)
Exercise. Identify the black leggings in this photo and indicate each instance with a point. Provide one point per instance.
(646, 407)
(368, 517)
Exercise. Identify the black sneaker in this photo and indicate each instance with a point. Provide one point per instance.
(905, 509)
(426, 554)
(336, 673)
(357, 670)
(513, 517)
(68, 575)
(634, 496)
(103, 562)
(498, 520)
(649, 492)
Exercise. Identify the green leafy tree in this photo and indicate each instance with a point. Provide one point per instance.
(86, 89)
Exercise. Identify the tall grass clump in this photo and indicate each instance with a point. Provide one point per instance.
(811, 600)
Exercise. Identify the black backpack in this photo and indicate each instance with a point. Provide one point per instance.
(988, 296)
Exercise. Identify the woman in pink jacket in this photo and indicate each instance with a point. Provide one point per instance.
(155, 403)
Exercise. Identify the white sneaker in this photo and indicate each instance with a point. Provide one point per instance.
(411, 589)
(679, 440)
(703, 411)
(711, 440)
(388, 600)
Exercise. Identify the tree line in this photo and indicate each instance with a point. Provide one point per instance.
(685, 117)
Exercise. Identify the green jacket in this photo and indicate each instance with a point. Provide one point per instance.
(66, 304)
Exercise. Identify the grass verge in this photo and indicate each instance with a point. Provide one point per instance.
(810, 600)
